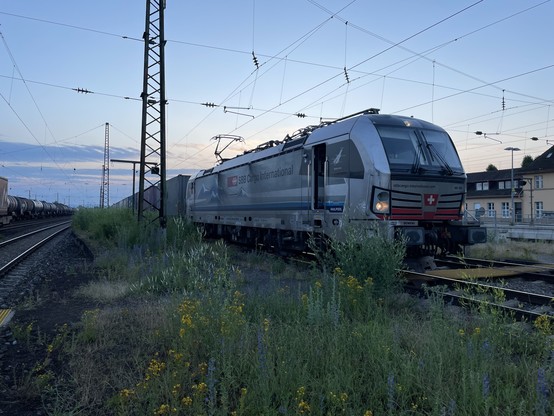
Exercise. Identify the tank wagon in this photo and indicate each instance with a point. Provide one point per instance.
(18, 208)
(361, 170)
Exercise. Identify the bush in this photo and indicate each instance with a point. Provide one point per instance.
(367, 253)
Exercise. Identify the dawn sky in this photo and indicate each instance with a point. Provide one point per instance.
(466, 66)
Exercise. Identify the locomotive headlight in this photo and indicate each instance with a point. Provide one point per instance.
(381, 203)
(382, 206)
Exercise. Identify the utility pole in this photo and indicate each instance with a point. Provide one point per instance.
(134, 162)
(152, 150)
(105, 187)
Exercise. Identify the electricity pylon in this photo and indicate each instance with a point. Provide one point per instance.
(152, 149)
(105, 187)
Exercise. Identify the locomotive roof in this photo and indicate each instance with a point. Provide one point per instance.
(316, 133)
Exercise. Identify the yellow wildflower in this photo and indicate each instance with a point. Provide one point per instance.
(163, 410)
(186, 401)
(304, 407)
(202, 368)
(200, 388)
(126, 393)
(155, 367)
(544, 325)
(187, 320)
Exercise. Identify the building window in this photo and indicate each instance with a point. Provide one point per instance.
(538, 182)
(490, 209)
(539, 207)
(506, 184)
(505, 210)
(482, 186)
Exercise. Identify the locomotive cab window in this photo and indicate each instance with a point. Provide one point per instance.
(442, 151)
(409, 149)
(400, 145)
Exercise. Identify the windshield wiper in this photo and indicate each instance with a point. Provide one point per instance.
(416, 166)
(444, 164)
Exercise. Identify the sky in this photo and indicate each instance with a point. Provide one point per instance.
(467, 66)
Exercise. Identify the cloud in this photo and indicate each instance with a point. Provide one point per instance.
(71, 174)
(56, 173)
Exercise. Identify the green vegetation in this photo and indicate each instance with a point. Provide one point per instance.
(187, 335)
(500, 248)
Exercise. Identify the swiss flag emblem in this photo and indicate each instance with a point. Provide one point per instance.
(430, 199)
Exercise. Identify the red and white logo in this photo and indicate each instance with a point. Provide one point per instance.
(430, 199)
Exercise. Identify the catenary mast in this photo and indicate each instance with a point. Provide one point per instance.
(152, 152)
(105, 187)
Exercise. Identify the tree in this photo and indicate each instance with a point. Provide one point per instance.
(491, 168)
(527, 160)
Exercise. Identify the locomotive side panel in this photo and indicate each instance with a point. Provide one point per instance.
(270, 192)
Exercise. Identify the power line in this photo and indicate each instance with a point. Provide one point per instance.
(51, 22)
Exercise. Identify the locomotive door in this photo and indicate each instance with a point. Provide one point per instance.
(319, 172)
(319, 176)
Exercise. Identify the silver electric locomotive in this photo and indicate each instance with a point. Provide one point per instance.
(365, 168)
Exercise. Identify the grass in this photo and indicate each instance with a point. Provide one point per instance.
(499, 248)
(180, 336)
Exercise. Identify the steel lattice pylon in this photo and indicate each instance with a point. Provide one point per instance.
(152, 151)
(105, 187)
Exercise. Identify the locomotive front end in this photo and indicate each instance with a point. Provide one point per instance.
(424, 200)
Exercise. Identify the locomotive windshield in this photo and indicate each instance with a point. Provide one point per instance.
(419, 150)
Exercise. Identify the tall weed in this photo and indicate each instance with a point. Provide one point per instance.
(368, 253)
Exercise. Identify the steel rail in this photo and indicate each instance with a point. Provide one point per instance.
(12, 263)
(517, 312)
(532, 298)
(12, 240)
(469, 261)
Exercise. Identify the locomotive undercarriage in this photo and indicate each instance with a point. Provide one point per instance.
(427, 240)
(271, 239)
(441, 239)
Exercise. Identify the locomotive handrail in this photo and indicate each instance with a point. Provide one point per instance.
(325, 178)
(310, 186)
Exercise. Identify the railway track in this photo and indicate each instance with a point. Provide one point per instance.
(15, 259)
(18, 227)
(524, 291)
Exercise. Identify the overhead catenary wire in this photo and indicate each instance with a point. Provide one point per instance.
(36, 106)
(397, 44)
(267, 110)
